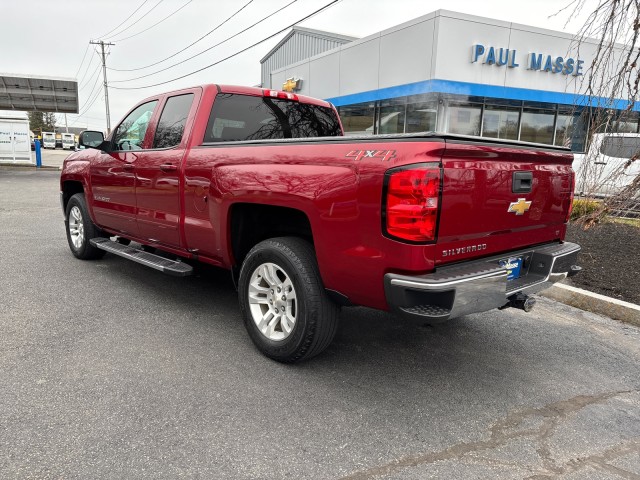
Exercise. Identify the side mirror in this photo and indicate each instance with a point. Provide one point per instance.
(90, 139)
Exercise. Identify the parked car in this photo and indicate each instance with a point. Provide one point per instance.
(263, 183)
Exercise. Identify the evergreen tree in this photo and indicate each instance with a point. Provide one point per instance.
(42, 122)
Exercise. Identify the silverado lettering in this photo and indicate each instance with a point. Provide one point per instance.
(264, 184)
(458, 251)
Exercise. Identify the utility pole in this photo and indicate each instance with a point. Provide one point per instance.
(66, 125)
(104, 76)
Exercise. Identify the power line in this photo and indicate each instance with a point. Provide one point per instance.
(234, 54)
(82, 62)
(94, 84)
(157, 23)
(88, 105)
(85, 116)
(128, 27)
(95, 74)
(207, 49)
(86, 70)
(188, 46)
(125, 20)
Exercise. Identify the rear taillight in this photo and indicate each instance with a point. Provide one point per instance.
(573, 187)
(411, 203)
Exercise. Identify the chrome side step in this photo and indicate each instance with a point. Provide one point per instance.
(165, 265)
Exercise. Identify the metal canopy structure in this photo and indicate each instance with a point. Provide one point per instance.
(32, 93)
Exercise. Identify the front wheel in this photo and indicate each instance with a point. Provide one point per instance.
(80, 229)
(285, 308)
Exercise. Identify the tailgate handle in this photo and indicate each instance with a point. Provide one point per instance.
(522, 182)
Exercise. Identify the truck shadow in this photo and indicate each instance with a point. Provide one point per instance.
(367, 340)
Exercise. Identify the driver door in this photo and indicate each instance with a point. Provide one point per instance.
(113, 179)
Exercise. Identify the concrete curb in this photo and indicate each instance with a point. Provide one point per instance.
(10, 166)
(594, 302)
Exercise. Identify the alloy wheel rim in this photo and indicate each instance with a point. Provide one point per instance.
(76, 227)
(272, 301)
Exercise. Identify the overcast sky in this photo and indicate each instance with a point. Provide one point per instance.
(50, 37)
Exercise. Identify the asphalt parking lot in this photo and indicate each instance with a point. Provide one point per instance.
(112, 370)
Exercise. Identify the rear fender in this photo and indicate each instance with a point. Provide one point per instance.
(326, 195)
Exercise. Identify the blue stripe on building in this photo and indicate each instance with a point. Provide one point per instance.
(479, 90)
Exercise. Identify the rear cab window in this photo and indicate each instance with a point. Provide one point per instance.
(236, 117)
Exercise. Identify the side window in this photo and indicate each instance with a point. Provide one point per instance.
(621, 147)
(172, 120)
(130, 133)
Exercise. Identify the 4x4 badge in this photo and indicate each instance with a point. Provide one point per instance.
(519, 207)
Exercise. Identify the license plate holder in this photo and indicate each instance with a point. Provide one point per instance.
(513, 266)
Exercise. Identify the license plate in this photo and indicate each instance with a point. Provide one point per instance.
(513, 266)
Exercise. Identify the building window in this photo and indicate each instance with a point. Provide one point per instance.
(358, 119)
(464, 119)
(564, 129)
(500, 122)
(391, 119)
(537, 126)
(627, 122)
(421, 117)
(614, 121)
(571, 130)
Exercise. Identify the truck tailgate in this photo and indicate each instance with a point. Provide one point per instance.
(499, 198)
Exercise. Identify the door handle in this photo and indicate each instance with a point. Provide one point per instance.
(168, 167)
(128, 166)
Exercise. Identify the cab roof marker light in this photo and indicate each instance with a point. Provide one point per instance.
(278, 94)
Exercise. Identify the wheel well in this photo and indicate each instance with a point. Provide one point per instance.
(69, 189)
(252, 223)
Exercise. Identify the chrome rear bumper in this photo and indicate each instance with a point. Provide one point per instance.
(478, 285)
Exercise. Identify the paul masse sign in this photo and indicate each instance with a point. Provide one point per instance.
(535, 61)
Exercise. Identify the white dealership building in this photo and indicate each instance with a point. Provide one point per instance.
(448, 72)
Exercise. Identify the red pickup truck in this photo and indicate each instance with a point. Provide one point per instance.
(263, 183)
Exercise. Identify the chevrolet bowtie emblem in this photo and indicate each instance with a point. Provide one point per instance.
(519, 207)
(291, 84)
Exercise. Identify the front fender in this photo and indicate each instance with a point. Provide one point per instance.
(77, 170)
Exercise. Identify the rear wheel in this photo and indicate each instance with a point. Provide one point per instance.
(80, 229)
(285, 308)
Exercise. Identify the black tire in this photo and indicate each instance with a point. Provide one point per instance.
(82, 249)
(316, 315)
